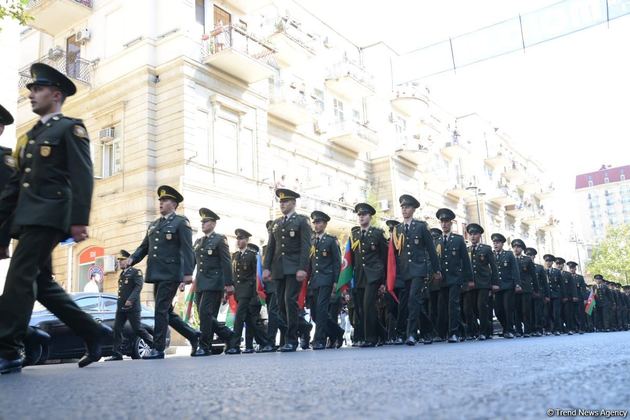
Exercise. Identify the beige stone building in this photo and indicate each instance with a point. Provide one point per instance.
(230, 99)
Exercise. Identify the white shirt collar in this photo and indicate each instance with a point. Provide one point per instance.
(47, 117)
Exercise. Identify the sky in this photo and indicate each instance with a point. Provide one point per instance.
(565, 101)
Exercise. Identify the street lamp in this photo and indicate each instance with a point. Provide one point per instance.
(477, 195)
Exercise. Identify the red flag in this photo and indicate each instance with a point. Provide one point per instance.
(391, 270)
(190, 298)
(302, 296)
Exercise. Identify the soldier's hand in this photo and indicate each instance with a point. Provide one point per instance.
(495, 288)
(547, 300)
(518, 289)
(79, 233)
(4, 252)
(381, 289)
(300, 275)
(437, 276)
(574, 299)
(128, 304)
(229, 289)
(266, 275)
(471, 284)
(182, 286)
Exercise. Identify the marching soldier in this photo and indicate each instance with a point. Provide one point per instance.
(255, 306)
(274, 321)
(529, 285)
(415, 258)
(325, 268)
(286, 261)
(369, 256)
(456, 269)
(569, 296)
(50, 197)
(556, 294)
(582, 296)
(485, 275)
(540, 298)
(509, 282)
(397, 313)
(434, 286)
(602, 299)
(7, 169)
(170, 264)
(213, 280)
(128, 308)
(244, 269)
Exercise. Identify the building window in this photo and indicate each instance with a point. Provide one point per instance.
(225, 145)
(111, 158)
(318, 97)
(338, 110)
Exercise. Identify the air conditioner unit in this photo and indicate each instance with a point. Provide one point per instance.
(107, 134)
(383, 205)
(83, 36)
(109, 264)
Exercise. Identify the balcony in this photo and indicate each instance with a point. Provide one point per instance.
(53, 16)
(353, 136)
(503, 196)
(550, 224)
(496, 161)
(412, 149)
(246, 6)
(544, 193)
(453, 149)
(235, 52)
(515, 173)
(535, 216)
(293, 45)
(350, 80)
(459, 190)
(77, 69)
(515, 210)
(289, 102)
(529, 185)
(411, 101)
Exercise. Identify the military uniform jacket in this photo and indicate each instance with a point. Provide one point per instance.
(369, 256)
(129, 287)
(556, 286)
(415, 252)
(212, 257)
(455, 262)
(527, 272)
(569, 286)
(509, 272)
(289, 246)
(434, 286)
(244, 273)
(484, 266)
(543, 283)
(269, 285)
(581, 286)
(7, 169)
(53, 183)
(325, 261)
(168, 248)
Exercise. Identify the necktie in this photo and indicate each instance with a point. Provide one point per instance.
(406, 228)
(445, 239)
(362, 234)
(317, 241)
(285, 219)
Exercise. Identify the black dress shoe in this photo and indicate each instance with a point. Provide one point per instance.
(427, 340)
(266, 349)
(453, 339)
(153, 355)
(357, 343)
(93, 346)
(10, 365)
(556, 333)
(114, 357)
(508, 335)
(318, 346)
(287, 348)
(411, 341)
(399, 341)
(248, 351)
(438, 339)
(481, 337)
(201, 353)
(233, 350)
(367, 344)
(525, 335)
(194, 344)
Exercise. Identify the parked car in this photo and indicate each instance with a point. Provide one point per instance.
(49, 339)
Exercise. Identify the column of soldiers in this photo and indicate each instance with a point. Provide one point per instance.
(443, 290)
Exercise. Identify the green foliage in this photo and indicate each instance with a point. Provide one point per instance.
(372, 200)
(16, 10)
(611, 257)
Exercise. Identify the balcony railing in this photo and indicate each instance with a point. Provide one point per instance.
(354, 136)
(350, 79)
(77, 69)
(289, 101)
(55, 16)
(411, 100)
(292, 43)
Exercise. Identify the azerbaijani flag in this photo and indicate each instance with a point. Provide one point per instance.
(260, 286)
(190, 298)
(590, 303)
(231, 312)
(391, 270)
(302, 296)
(346, 276)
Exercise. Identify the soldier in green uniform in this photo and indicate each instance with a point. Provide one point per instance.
(478, 291)
(434, 286)
(529, 285)
(397, 311)
(50, 196)
(569, 297)
(170, 264)
(7, 168)
(418, 265)
(456, 270)
(582, 296)
(286, 261)
(369, 260)
(325, 266)
(556, 294)
(213, 280)
(509, 283)
(274, 320)
(244, 274)
(540, 298)
(602, 299)
(128, 307)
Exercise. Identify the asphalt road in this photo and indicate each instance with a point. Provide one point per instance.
(495, 379)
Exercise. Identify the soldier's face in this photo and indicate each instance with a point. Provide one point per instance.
(497, 245)
(364, 218)
(319, 226)
(446, 225)
(44, 99)
(407, 211)
(548, 264)
(475, 238)
(517, 250)
(207, 227)
(122, 264)
(287, 206)
(241, 243)
(167, 206)
(573, 270)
